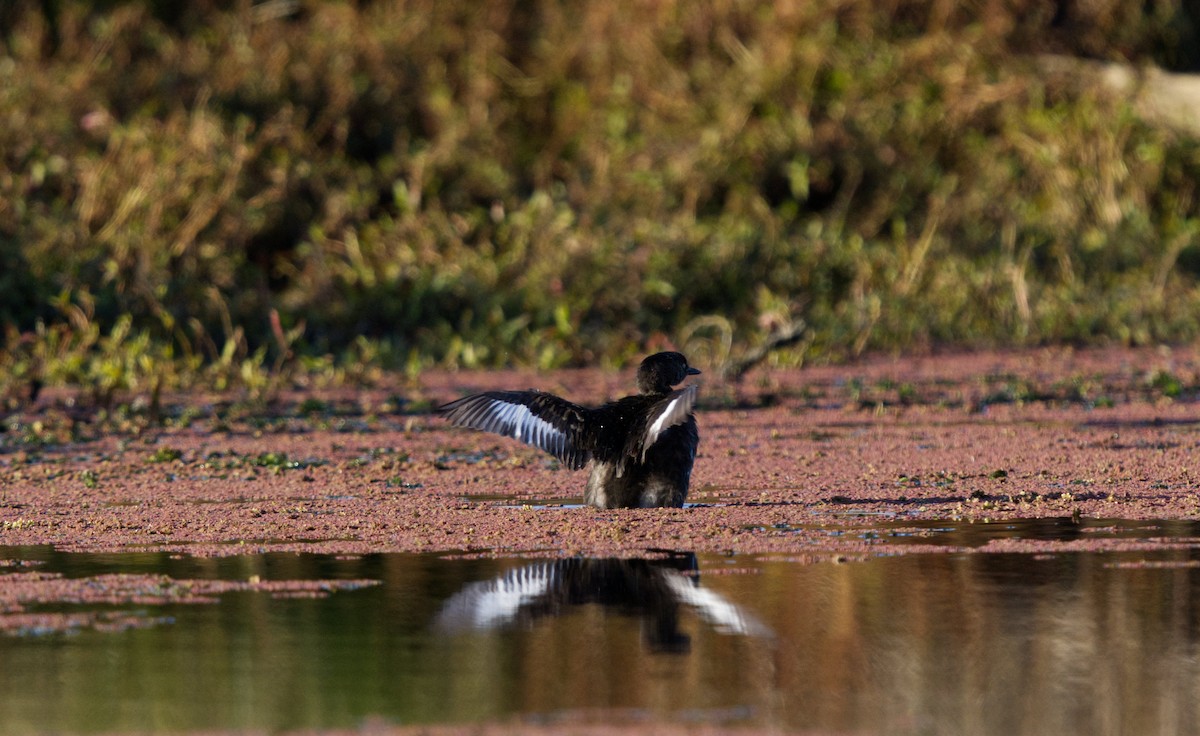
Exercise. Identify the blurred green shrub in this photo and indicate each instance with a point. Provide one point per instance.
(558, 183)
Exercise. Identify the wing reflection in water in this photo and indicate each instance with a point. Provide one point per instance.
(651, 589)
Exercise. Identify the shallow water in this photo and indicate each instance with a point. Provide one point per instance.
(954, 642)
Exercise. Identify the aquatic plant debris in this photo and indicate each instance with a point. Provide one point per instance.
(132, 596)
(785, 456)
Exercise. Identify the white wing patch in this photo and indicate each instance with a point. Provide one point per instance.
(714, 608)
(676, 411)
(518, 422)
(497, 602)
(516, 414)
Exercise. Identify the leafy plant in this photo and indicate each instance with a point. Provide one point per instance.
(228, 197)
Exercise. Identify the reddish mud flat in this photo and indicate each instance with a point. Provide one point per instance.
(785, 456)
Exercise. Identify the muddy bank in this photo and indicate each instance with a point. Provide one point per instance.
(785, 457)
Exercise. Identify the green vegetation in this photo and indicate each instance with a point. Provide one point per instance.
(1168, 383)
(229, 194)
(166, 455)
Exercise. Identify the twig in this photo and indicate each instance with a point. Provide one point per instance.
(790, 334)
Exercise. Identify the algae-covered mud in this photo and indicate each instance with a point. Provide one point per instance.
(784, 457)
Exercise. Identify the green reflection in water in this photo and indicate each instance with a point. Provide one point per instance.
(1074, 642)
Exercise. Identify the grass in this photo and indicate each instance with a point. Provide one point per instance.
(238, 196)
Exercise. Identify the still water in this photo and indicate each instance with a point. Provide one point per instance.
(944, 642)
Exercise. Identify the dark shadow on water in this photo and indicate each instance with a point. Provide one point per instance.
(1164, 422)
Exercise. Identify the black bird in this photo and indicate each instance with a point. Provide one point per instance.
(641, 447)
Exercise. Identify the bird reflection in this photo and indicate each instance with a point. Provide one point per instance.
(652, 590)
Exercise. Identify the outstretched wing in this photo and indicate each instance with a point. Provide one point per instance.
(536, 418)
(670, 411)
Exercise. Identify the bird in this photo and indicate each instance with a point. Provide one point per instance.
(641, 447)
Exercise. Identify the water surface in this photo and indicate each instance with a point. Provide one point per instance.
(953, 642)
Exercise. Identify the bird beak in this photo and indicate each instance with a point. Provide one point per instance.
(692, 371)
